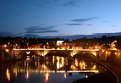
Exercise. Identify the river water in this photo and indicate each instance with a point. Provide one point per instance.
(54, 70)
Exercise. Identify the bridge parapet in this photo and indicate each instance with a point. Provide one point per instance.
(44, 52)
(59, 49)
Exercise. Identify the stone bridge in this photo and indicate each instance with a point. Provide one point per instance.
(55, 52)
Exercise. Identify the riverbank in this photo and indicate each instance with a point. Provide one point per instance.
(114, 66)
(106, 77)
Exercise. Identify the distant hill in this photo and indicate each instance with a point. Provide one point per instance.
(31, 36)
(95, 35)
(6, 34)
(71, 37)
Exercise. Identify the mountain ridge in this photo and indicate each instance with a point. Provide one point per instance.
(71, 37)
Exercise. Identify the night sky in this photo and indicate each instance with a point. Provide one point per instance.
(59, 17)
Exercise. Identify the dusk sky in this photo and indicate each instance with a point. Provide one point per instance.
(59, 17)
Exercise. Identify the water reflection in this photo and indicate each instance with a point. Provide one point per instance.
(8, 74)
(55, 69)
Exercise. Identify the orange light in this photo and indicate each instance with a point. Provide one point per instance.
(5, 46)
(73, 53)
(94, 53)
(27, 74)
(64, 75)
(7, 50)
(8, 74)
(46, 76)
(116, 53)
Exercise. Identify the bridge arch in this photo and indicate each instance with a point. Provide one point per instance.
(24, 54)
(84, 55)
(58, 53)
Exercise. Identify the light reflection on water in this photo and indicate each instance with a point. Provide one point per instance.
(55, 70)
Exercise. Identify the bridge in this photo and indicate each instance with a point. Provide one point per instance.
(57, 49)
(60, 52)
(72, 52)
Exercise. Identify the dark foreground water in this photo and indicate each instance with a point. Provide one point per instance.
(55, 70)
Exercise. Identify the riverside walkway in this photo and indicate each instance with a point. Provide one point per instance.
(113, 66)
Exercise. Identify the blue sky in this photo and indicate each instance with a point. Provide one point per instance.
(59, 17)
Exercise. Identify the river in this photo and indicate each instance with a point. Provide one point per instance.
(53, 70)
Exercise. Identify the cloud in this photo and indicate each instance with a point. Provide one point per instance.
(71, 3)
(53, 3)
(41, 29)
(77, 24)
(84, 19)
(105, 21)
(81, 21)
(74, 24)
(115, 25)
(50, 3)
(89, 24)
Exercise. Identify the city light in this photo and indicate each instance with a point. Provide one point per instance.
(28, 52)
(4, 46)
(59, 42)
(8, 74)
(46, 76)
(86, 76)
(7, 50)
(82, 65)
(65, 75)
(27, 74)
(74, 52)
(94, 53)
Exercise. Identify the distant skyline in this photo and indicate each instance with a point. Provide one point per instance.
(59, 17)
